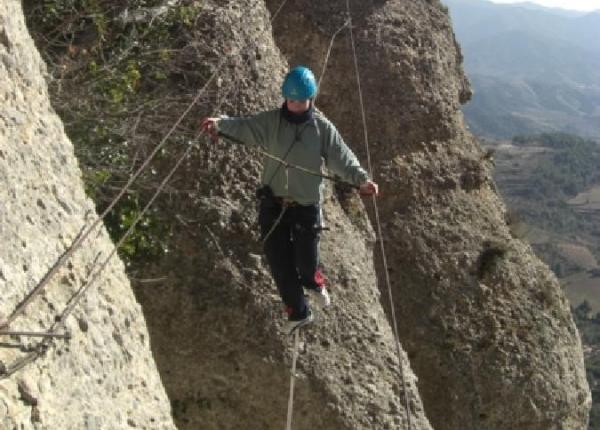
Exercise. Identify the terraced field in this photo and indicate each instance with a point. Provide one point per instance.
(587, 202)
(563, 229)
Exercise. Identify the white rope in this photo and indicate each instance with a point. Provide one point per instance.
(275, 224)
(278, 10)
(327, 58)
(378, 223)
(290, 409)
(79, 241)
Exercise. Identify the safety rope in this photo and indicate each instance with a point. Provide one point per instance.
(289, 165)
(34, 334)
(377, 220)
(278, 10)
(324, 69)
(83, 236)
(290, 409)
(79, 241)
(76, 298)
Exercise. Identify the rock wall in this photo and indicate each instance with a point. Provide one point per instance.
(485, 323)
(104, 376)
(216, 319)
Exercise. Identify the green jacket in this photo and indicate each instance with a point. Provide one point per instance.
(316, 140)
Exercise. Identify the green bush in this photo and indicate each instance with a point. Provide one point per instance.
(110, 79)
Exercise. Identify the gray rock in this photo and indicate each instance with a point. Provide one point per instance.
(51, 392)
(483, 357)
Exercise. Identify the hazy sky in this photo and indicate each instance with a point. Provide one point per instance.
(564, 4)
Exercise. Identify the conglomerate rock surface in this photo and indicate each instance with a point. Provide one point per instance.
(214, 315)
(104, 376)
(216, 318)
(485, 323)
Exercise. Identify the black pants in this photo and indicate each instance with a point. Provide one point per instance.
(292, 250)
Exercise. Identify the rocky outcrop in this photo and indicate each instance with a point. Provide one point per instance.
(485, 323)
(486, 328)
(104, 376)
(216, 319)
(213, 311)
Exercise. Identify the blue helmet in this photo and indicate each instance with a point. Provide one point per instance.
(299, 84)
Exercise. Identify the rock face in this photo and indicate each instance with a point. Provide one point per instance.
(216, 320)
(104, 376)
(486, 326)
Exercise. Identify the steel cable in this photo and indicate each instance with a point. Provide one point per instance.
(378, 221)
(83, 236)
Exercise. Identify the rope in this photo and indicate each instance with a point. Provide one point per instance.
(76, 298)
(49, 334)
(278, 10)
(81, 292)
(378, 222)
(290, 409)
(323, 70)
(59, 320)
(83, 236)
(29, 297)
(79, 241)
(34, 334)
(289, 165)
(275, 224)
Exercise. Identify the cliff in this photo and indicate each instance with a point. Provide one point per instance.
(486, 325)
(489, 339)
(104, 376)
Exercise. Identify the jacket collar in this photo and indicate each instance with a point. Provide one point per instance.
(297, 118)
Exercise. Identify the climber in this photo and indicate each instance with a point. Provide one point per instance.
(289, 213)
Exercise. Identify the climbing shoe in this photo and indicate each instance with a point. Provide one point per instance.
(320, 295)
(292, 324)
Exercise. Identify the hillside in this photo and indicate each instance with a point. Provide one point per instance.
(532, 70)
(551, 183)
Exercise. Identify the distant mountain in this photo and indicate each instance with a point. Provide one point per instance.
(533, 69)
(554, 10)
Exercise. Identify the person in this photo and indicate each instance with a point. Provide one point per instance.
(290, 199)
